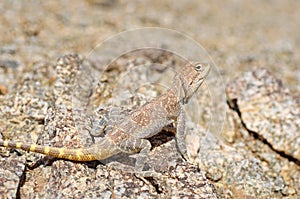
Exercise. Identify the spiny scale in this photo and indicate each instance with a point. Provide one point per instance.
(70, 154)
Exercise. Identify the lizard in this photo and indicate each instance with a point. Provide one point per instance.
(130, 134)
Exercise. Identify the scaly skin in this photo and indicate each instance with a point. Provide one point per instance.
(146, 121)
(80, 154)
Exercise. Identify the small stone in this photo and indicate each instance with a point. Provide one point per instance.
(9, 64)
(3, 90)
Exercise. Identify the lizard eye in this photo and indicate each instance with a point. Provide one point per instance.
(198, 67)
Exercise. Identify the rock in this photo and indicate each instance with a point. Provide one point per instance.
(265, 119)
(9, 64)
(3, 90)
(234, 171)
(268, 110)
(11, 175)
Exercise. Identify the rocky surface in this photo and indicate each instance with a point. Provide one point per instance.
(244, 169)
(249, 167)
(268, 110)
(12, 170)
(256, 155)
(266, 118)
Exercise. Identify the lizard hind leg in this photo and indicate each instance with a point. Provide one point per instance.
(142, 146)
(99, 121)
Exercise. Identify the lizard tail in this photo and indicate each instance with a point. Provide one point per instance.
(80, 154)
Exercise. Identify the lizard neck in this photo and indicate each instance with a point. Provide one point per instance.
(178, 91)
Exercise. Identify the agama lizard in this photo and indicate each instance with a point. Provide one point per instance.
(129, 135)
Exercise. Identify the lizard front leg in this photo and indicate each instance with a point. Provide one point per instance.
(180, 134)
(99, 125)
(106, 118)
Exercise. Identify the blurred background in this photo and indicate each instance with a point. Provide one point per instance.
(237, 34)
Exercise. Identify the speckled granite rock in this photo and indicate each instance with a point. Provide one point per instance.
(263, 111)
(180, 180)
(64, 127)
(233, 170)
(11, 171)
(284, 174)
(22, 112)
(268, 110)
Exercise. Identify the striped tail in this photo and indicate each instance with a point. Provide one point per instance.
(80, 154)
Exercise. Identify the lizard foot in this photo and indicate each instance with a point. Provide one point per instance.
(148, 174)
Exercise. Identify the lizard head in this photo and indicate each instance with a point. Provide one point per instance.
(191, 77)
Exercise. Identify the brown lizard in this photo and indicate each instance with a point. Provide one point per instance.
(129, 135)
